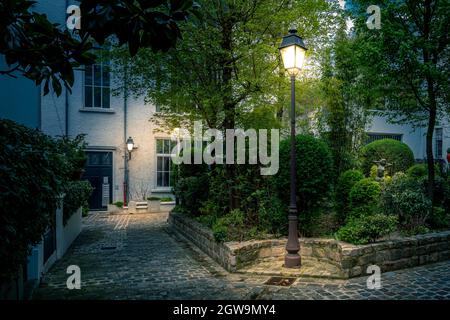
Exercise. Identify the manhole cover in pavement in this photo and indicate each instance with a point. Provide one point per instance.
(279, 281)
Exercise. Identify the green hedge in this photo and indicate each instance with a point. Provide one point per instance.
(395, 152)
(314, 172)
(35, 171)
(77, 194)
(367, 229)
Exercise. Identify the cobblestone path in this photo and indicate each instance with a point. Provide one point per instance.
(137, 257)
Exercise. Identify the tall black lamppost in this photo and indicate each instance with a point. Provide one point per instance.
(293, 51)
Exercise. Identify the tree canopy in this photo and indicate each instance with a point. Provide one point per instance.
(47, 52)
(406, 63)
(226, 70)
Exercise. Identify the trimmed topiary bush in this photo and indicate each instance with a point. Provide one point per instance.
(314, 172)
(344, 185)
(395, 152)
(367, 229)
(364, 197)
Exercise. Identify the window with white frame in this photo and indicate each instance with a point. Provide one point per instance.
(163, 162)
(438, 143)
(97, 84)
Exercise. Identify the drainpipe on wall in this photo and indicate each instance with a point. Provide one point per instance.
(66, 102)
(67, 113)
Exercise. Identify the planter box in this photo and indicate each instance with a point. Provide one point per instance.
(154, 205)
(350, 260)
(112, 208)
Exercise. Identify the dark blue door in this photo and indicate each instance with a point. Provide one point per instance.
(98, 171)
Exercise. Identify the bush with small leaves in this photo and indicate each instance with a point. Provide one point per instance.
(406, 198)
(35, 171)
(344, 185)
(367, 228)
(230, 227)
(417, 171)
(439, 218)
(192, 191)
(77, 194)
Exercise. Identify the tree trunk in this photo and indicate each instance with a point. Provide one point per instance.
(430, 157)
(432, 105)
(229, 107)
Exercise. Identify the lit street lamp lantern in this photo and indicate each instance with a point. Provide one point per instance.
(292, 50)
(130, 145)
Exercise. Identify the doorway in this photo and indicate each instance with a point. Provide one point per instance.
(99, 174)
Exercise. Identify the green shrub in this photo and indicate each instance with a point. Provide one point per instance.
(77, 194)
(191, 184)
(230, 227)
(367, 229)
(441, 189)
(364, 192)
(33, 172)
(272, 213)
(344, 185)
(191, 192)
(218, 203)
(73, 149)
(166, 199)
(395, 152)
(118, 204)
(421, 170)
(406, 198)
(154, 199)
(314, 172)
(417, 171)
(207, 220)
(439, 218)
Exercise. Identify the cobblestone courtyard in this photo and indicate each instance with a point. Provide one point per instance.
(137, 257)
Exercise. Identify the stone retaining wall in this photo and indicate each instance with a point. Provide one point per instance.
(351, 260)
(203, 238)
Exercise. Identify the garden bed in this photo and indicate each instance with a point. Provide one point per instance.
(350, 260)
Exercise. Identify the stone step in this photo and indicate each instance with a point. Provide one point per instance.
(310, 268)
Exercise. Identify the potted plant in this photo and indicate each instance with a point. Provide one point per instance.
(154, 204)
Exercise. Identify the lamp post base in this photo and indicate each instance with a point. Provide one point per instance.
(292, 260)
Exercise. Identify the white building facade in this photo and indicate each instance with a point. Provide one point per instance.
(107, 121)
